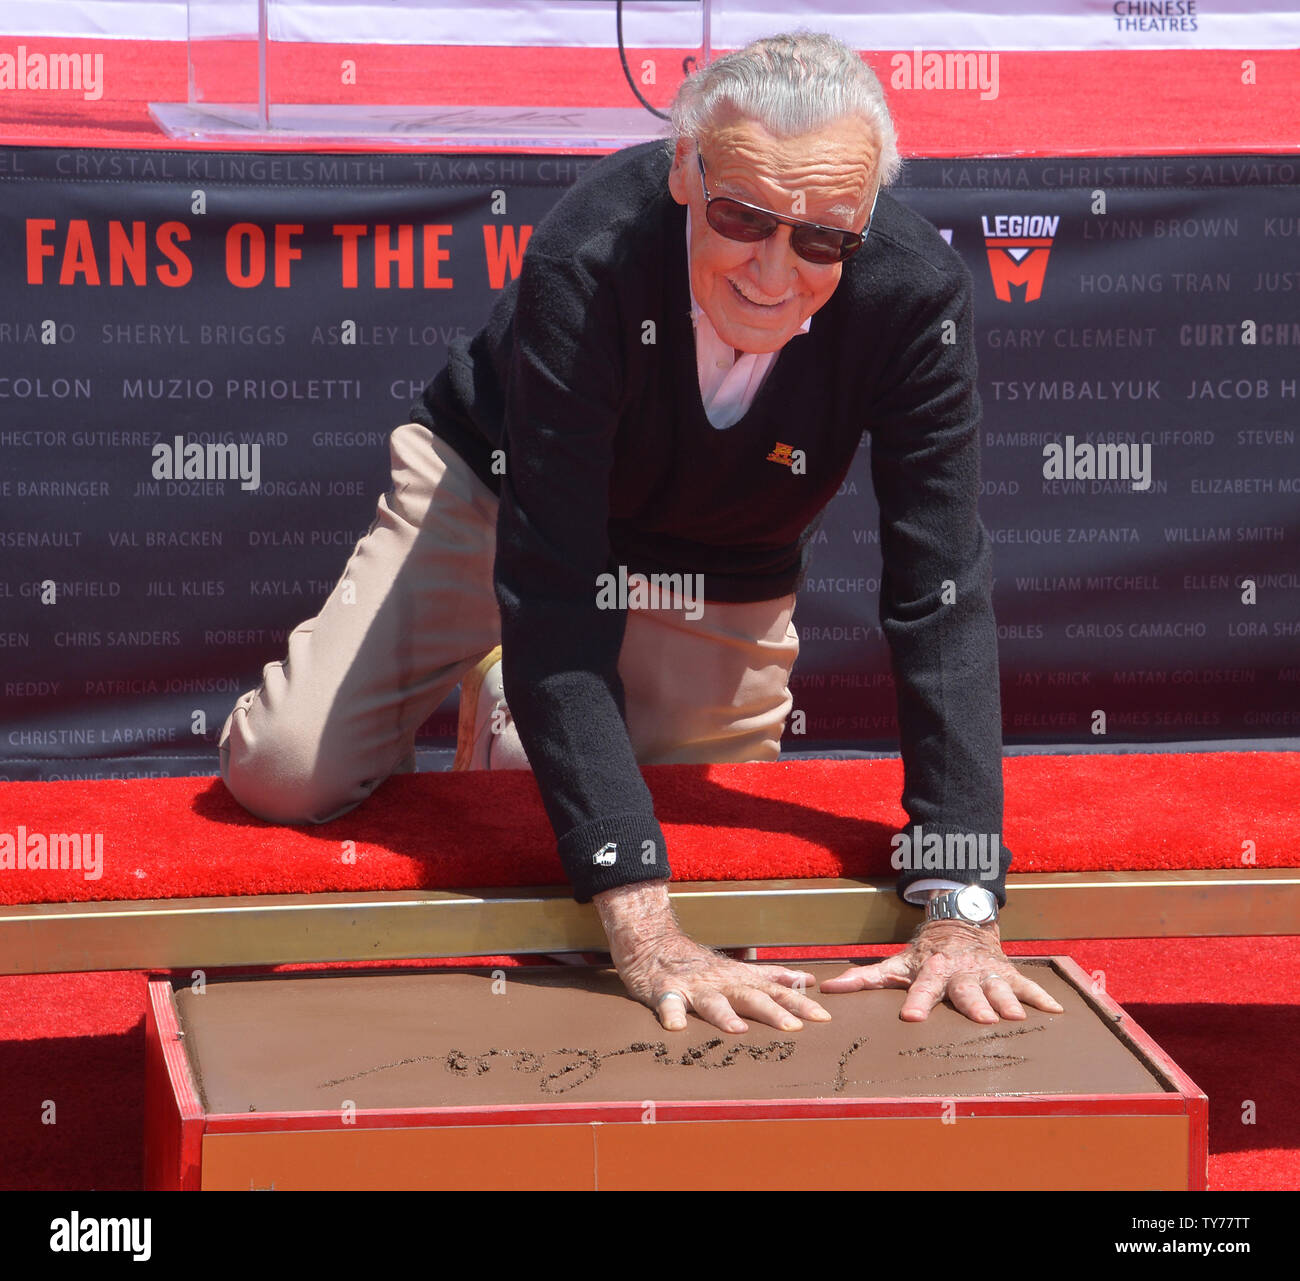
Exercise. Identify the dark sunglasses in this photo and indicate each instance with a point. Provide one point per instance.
(810, 240)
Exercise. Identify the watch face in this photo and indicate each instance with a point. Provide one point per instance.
(973, 904)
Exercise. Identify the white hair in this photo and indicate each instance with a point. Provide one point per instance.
(792, 84)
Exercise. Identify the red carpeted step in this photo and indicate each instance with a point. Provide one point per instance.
(188, 837)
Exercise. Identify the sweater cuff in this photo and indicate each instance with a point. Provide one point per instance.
(609, 852)
(928, 851)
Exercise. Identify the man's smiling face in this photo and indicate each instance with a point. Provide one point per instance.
(757, 294)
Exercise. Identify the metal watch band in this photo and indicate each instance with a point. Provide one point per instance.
(943, 907)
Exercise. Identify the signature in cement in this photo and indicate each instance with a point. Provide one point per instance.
(560, 1071)
(952, 1050)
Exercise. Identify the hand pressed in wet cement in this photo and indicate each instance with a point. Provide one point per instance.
(963, 962)
(654, 957)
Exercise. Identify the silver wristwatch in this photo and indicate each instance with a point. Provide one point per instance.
(972, 903)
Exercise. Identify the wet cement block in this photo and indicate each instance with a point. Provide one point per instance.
(552, 1077)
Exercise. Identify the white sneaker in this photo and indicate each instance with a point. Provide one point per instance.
(481, 694)
(486, 736)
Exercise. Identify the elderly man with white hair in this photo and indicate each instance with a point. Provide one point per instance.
(669, 394)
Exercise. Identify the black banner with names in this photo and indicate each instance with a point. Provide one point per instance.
(1139, 344)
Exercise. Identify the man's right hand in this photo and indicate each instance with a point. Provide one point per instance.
(654, 957)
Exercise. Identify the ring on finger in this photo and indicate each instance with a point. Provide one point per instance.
(678, 995)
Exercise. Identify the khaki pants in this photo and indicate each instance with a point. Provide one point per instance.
(415, 610)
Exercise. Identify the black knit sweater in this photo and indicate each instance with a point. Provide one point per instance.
(585, 375)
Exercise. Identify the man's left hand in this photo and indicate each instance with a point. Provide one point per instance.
(964, 963)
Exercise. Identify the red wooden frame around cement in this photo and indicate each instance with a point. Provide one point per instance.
(176, 1123)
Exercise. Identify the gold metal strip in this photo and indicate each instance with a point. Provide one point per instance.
(404, 924)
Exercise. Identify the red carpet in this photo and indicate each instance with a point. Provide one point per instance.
(183, 837)
(1097, 103)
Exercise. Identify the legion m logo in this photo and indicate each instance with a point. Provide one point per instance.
(1018, 246)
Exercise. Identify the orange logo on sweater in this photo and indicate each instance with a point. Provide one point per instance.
(782, 454)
